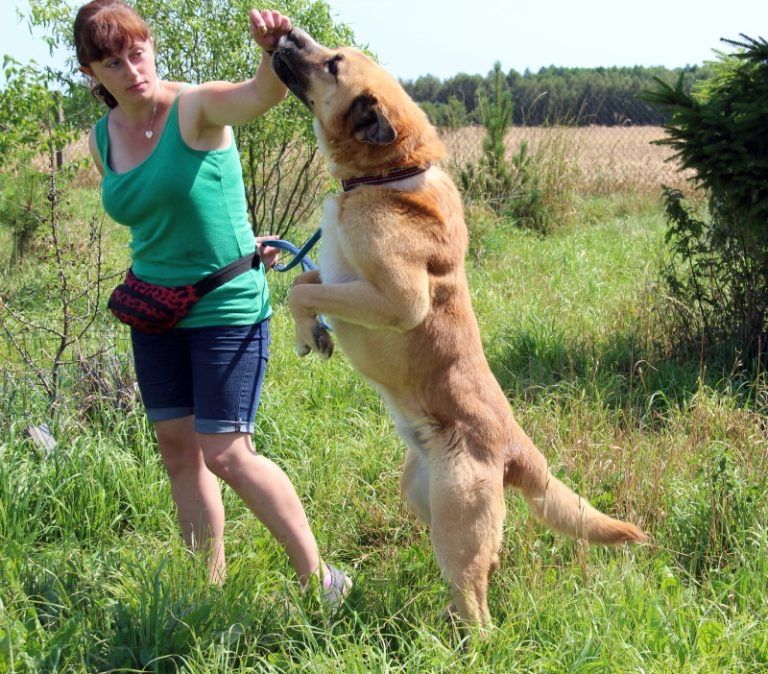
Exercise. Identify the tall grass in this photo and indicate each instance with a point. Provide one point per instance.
(94, 576)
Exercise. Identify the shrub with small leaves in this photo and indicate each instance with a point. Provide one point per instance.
(719, 267)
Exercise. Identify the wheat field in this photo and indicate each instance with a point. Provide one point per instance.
(609, 158)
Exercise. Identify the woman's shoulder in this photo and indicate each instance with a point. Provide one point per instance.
(182, 89)
(185, 94)
(177, 87)
(171, 91)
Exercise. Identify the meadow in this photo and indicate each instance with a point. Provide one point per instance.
(94, 576)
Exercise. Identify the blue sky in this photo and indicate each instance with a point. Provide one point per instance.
(444, 37)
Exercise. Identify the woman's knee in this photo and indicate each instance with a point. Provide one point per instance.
(224, 455)
(219, 463)
(178, 445)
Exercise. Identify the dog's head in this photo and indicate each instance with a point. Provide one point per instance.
(364, 121)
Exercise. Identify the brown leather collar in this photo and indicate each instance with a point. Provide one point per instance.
(394, 174)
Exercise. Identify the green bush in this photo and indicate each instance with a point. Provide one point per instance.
(719, 268)
(31, 133)
(491, 179)
(22, 200)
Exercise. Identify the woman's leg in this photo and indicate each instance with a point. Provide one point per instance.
(195, 492)
(269, 494)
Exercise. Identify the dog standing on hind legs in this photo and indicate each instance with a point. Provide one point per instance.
(393, 286)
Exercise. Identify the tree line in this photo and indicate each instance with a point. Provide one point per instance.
(555, 95)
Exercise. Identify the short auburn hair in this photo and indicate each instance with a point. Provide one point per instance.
(102, 29)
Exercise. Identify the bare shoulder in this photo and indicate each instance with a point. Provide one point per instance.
(191, 101)
(196, 129)
(194, 97)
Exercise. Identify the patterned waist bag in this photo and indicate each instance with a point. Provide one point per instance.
(154, 309)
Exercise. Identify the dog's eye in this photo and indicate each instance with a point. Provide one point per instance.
(333, 64)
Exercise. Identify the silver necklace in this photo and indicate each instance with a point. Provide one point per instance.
(149, 133)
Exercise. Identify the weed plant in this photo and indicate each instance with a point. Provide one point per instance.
(94, 576)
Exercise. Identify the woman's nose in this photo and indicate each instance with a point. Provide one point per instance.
(131, 68)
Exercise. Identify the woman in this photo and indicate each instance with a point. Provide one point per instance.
(171, 172)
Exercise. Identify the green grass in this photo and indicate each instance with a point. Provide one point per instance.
(94, 577)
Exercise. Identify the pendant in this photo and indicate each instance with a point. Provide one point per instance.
(148, 133)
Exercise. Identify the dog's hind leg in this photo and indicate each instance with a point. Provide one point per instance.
(414, 482)
(415, 485)
(467, 506)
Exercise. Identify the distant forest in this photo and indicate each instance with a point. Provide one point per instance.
(554, 95)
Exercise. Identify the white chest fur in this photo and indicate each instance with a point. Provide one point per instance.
(334, 267)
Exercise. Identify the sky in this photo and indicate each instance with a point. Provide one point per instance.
(446, 37)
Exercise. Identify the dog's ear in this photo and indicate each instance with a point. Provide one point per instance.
(369, 124)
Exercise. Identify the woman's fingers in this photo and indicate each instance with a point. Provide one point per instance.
(269, 22)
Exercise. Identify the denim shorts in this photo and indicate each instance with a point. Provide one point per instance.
(213, 373)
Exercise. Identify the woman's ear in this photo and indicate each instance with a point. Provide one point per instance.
(86, 71)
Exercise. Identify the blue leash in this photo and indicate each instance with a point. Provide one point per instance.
(299, 254)
(299, 257)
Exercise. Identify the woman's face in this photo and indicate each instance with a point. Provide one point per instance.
(129, 75)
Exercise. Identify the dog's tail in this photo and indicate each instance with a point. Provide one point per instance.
(560, 508)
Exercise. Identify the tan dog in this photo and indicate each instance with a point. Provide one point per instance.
(392, 284)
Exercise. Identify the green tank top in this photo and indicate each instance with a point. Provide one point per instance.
(187, 214)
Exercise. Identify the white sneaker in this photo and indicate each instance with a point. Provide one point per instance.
(336, 587)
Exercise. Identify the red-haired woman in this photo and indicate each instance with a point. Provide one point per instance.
(171, 173)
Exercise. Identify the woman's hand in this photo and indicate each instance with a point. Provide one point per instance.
(268, 26)
(269, 255)
(219, 104)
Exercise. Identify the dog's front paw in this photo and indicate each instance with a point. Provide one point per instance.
(323, 341)
(312, 336)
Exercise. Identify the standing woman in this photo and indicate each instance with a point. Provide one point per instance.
(171, 173)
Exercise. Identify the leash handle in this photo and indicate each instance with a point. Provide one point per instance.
(299, 257)
(299, 254)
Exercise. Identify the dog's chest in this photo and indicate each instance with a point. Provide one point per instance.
(334, 267)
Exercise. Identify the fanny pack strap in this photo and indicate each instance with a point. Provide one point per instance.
(227, 273)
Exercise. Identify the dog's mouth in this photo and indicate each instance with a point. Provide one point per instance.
(284, 66)
(285, 72)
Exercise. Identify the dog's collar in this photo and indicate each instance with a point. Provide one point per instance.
(395, 174)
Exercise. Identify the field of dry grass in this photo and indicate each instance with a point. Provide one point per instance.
(609, 158)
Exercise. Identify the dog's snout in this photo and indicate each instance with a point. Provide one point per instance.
(290, 62)
(294, 39)
(297, 37)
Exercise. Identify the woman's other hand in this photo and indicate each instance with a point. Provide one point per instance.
(269, 255)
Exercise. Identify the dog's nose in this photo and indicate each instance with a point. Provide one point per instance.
(298, 38)
(301, 41)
